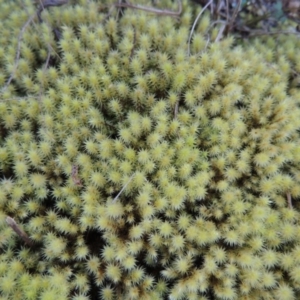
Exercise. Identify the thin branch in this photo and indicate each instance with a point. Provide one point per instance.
(123, 188)
(214, 23)
(227, 10)
(235, 13)
(120, 11)
(176, 109)
(17, 59)
(164, 12)
(194, 25)
(206, 45)
(289, 200)
(219, 6)
(258, 33)
(133, 44)
(12, 223)
(48, 59)
(74, 175)
(48, 3)
(220, 32)
(44, 70)
(43, 4)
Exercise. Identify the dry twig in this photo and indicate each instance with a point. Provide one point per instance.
(222, 28)
(48, 3)
(74, 175)
(12, 223)
(253, 33)
(164, 12)
(123, 188)
(43, 4)
(289, 200)
(17, 59)
(133, 44)
(234, 15)
(176, 109)
(194, 25)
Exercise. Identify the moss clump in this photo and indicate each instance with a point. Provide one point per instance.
(206, 146)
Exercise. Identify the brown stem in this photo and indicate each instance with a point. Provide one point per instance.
(12, 223)
(289, 200)
(164, 12)
(195, 23)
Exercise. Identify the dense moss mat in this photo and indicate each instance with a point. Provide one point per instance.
(201, 140)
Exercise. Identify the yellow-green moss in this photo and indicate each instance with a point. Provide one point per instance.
(206, 146)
